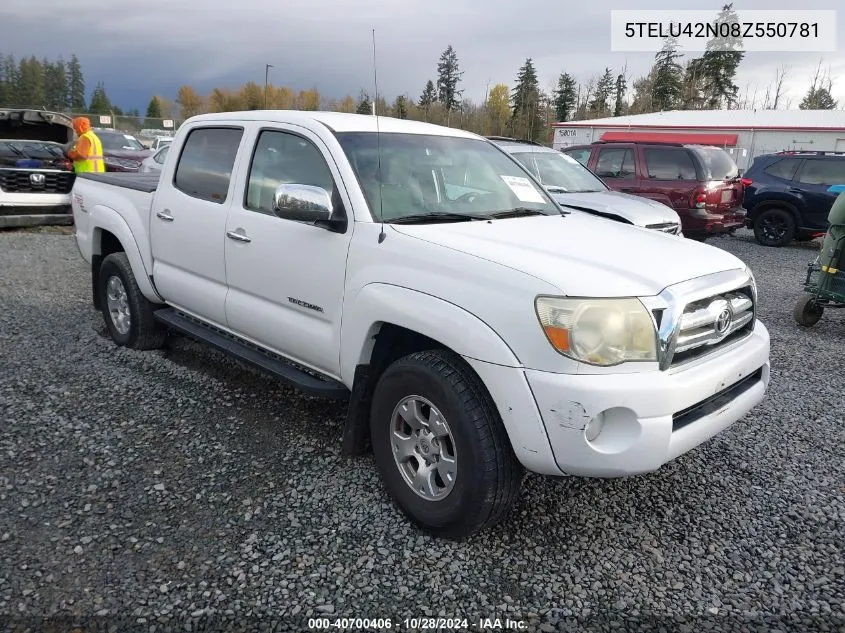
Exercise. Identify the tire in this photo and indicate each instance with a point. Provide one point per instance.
(143, 331)
(807, 312)
(487, 474)
(774, 227)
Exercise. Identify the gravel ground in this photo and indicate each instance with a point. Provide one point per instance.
(175, 488)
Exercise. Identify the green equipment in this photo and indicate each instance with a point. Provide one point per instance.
(824, 286)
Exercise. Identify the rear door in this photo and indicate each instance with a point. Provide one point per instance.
(725, 190)
(814, 178)
(669, 176)
(616, 166)
(188, 222)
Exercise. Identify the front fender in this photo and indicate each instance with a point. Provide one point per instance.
(105, 218)
(445, 322)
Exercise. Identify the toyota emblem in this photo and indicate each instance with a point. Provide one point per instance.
(723, 321)
(36, 179)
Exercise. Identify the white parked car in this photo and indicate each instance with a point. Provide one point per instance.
(476, 327)
(35, 175)
(573, 185)
(154, 162)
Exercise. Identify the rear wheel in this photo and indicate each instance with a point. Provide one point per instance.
(127, 312)
(807, 311)
(774, 227)
(441, 447)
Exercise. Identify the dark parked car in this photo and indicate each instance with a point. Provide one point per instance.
(787, 197)
(700, 182)
(122, 152)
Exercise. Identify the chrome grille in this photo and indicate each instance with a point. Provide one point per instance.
(19, 181)
(707, 324)
(666, 227)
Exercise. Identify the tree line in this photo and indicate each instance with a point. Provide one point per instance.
(523, 111)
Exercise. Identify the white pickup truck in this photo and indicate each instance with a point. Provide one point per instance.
(477, 328)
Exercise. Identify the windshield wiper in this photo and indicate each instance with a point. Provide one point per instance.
(422, 218)
(518, 212)
(552, 189)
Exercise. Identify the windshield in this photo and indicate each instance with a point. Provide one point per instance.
(113, 141)
(717, 163)
(561, 173)
(423, 174)
(30, 149)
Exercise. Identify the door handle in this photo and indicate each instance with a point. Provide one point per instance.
(238, 237)
(164, 215)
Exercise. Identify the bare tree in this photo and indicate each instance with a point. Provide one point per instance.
(780, 75)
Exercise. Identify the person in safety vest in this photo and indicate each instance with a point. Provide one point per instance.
(87, 152)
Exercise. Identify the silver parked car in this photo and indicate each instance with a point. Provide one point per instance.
(575, 186)
(155, 162)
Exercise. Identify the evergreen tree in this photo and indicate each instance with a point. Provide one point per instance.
(364, 106)
(448, 76)
(10, 74)
(100, 103)
(76, 85)
(604, 88)
(4, 86)
(818, 99)
(619, 104)
(712, 75)
(154, 109)
(526, 120)
(400, 107)
(428, 98)
(667, 89)
(565, 97)
(55, 85)
(31, 83)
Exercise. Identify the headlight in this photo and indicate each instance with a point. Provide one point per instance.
(598, 331)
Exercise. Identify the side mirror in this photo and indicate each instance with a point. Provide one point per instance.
(302, 203)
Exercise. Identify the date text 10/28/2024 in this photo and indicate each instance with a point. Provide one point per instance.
(416, 624)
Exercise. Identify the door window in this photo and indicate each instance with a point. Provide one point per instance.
(823, 172)
(669, 164)
(284, 158)
(616, 163)
(205, 165)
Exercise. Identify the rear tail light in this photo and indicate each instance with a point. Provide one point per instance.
(746, 182)
(699, 197)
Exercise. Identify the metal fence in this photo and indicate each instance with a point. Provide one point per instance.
(146, 129)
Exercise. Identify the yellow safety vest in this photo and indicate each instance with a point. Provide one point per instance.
(94, 162)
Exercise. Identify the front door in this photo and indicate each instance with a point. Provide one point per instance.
(188, 220)
(286, 278)
(616, 166)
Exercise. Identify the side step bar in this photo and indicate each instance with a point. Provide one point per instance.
(269, 362)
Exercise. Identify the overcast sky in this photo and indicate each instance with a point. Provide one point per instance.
(139, 48)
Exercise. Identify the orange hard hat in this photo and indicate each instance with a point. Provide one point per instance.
(81, 124)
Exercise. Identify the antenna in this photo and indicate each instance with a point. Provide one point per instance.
(381, 234)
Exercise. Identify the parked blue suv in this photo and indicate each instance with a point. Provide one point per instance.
(787, 197)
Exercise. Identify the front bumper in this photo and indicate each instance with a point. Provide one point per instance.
(648, 419)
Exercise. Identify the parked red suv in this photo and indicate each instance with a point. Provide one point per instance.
(700, 182)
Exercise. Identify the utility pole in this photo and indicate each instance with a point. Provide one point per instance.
(267, 68)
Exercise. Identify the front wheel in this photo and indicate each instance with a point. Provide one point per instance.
(807, 311)
(127, 312)
(441, 447)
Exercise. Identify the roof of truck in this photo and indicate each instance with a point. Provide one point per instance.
(336, 121)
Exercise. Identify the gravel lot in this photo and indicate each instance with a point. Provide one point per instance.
(177, 488)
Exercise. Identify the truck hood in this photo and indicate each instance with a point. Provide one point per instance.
(635, 209)
(580, 254)
(35, 125)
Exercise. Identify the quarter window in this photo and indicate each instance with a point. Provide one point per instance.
(205, 165)
(670, 164)
(615, 163)
(784, 168)
(284, 158)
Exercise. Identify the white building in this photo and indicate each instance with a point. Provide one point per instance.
(743, 133)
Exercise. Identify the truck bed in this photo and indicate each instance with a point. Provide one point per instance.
(147, 182)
